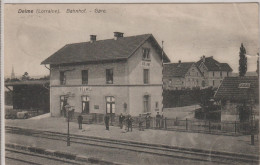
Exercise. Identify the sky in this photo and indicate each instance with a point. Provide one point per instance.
(189, 31)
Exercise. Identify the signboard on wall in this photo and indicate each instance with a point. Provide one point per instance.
(146, 63)
(84, 89)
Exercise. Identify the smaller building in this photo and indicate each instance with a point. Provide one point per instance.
(239, 98)
(181, 75)
(30, 95)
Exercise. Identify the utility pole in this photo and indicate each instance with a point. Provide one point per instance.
(68, 118)
(162, 76)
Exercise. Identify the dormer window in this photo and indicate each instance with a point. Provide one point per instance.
(146, 54)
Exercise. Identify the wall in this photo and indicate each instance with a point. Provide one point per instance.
(97, 95)
(136, 99)
(174, 83)
(135, 67)
(193, 78)
(229, 111)
(96, 74)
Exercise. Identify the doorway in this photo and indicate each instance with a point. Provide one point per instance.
(85, 104)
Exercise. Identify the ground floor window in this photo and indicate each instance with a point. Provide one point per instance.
(85, 104)
(110, 104)
(146, 101)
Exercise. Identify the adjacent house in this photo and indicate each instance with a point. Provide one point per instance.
(181, 75)
(213, 71)
(203, 73)
(113, 76)
(239, 98)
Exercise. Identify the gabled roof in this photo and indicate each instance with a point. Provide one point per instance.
(176, 69)
(213, 65)
(102, 50)
(238, 88)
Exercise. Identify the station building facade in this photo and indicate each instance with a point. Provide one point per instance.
(119, 75)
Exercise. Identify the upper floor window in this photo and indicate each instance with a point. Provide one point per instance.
(227, 74)
(84, 74)
(146, 76)
(146, 54)
(62, 78)
(213, 74)
(109, 76)
(213, 83)
(220, 73)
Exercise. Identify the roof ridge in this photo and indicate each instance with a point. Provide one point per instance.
(107, 39)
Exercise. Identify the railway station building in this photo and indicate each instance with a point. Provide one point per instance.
(117, 75)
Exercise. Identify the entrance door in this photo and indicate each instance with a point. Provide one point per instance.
(110, 107)
(85, 104)
(63, 102)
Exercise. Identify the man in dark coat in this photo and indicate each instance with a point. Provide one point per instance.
(129, 123)
(107, 121)
(80, 119)
(140, 121)
(121, 119)
(147, 121)
(158, 120)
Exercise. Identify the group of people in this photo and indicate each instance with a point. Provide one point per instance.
(127, 121)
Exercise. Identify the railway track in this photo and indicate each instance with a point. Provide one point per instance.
(162, 150)
(25, 157)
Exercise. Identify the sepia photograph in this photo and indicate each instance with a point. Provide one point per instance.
(130, 83)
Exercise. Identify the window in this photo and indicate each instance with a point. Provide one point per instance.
(156, 105)
(213, 82)
(146, 100)
(85, 104)
(220, 73)
(227, 74)
(146, 76)
(84, 75)
(146, 54)
(110, 105)
(62, 78)
(213, 73)
(109, 76)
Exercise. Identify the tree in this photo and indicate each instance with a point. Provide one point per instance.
(242, 61)
(26, 76)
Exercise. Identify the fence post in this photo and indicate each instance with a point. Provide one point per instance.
(165, 124)
(209, 126)
(235, 127)
(186, 124)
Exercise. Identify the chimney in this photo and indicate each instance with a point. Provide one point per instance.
(93, 38)
(118, 35)
(203, 58)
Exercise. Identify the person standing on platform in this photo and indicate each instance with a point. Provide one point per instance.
(140, 121)
(107, 121)
(147, 121)
(158, 120)
(121, 119)
(129, 123)
(80, 119)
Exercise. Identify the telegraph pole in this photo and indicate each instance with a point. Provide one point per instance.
(162, 75)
